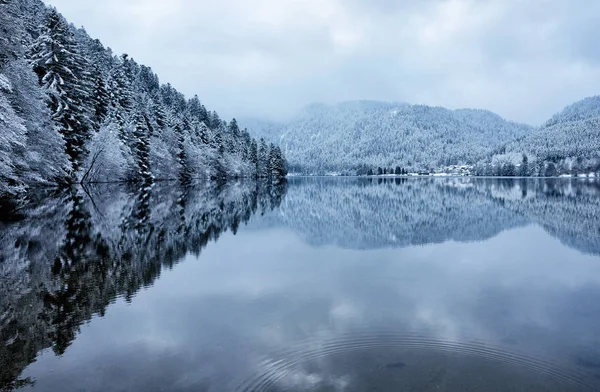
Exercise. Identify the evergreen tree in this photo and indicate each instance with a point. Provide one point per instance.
(159, 112)
(234, 137)
(68, 85)
(44, 157)
(277, 164)
(182, 130)
(56, 61)
(101, 98)
(12, 137)
(550, 170)
(263, 159)
(219, 166)
(254, 158)
(141, 149)
(10, 33)
(121, 93)
(524, 166)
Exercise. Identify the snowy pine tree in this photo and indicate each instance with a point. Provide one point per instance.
(12, 138)
(56, 61)
(141, 149)
(101, 98)
(263, 159)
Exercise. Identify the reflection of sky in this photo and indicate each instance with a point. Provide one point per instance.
(213, 318)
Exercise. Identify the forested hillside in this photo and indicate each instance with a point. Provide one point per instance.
(354, 136)
(569, 143)
(71, 111)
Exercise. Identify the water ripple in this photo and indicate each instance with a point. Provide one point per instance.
(274, 369)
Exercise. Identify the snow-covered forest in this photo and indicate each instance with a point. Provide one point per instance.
(73, 111)
(353, 137)
(69, 256)
(567, 144)
(361, 137)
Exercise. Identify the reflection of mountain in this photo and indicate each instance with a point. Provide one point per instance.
(70, 256)
(363, 213)
(566, 208)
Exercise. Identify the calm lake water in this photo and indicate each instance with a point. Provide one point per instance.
(323, 284)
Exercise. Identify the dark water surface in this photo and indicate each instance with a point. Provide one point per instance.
(321, 285)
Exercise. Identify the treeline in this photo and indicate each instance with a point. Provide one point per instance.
(72, 111)
(380, 171)
(537, 166)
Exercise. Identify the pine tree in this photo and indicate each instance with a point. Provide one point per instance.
(524, 166)
(277, 164)
(56, 61)
(181, 130)
(219, 167)
(263, 159)
(234, 137)
(120, 90)
(203, 134)
(101, 98)
(159, 112)
(10, 33)
(254, 158)
(45, 158)
(141, 149)
(12, 137)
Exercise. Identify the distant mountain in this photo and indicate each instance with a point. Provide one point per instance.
(351, 136)
(568, 143)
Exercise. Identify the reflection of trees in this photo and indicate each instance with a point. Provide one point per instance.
(364, 213)
(566, 208)
(71, 255)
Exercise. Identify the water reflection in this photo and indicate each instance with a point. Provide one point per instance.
(341, 285)
(391, 212)
(73, 253)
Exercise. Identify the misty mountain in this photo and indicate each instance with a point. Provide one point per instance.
(350, 136)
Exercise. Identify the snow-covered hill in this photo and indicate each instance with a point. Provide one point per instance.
(354, 135)
(568, 143)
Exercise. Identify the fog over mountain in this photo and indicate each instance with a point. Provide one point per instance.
(351, 137)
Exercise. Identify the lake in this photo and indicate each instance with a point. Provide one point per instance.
(320, 284)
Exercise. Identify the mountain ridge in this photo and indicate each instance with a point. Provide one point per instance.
(319, 139)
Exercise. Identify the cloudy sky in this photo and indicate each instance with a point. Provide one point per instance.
(525, 60)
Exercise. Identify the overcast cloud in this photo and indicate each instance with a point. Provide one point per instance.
(525, 60)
